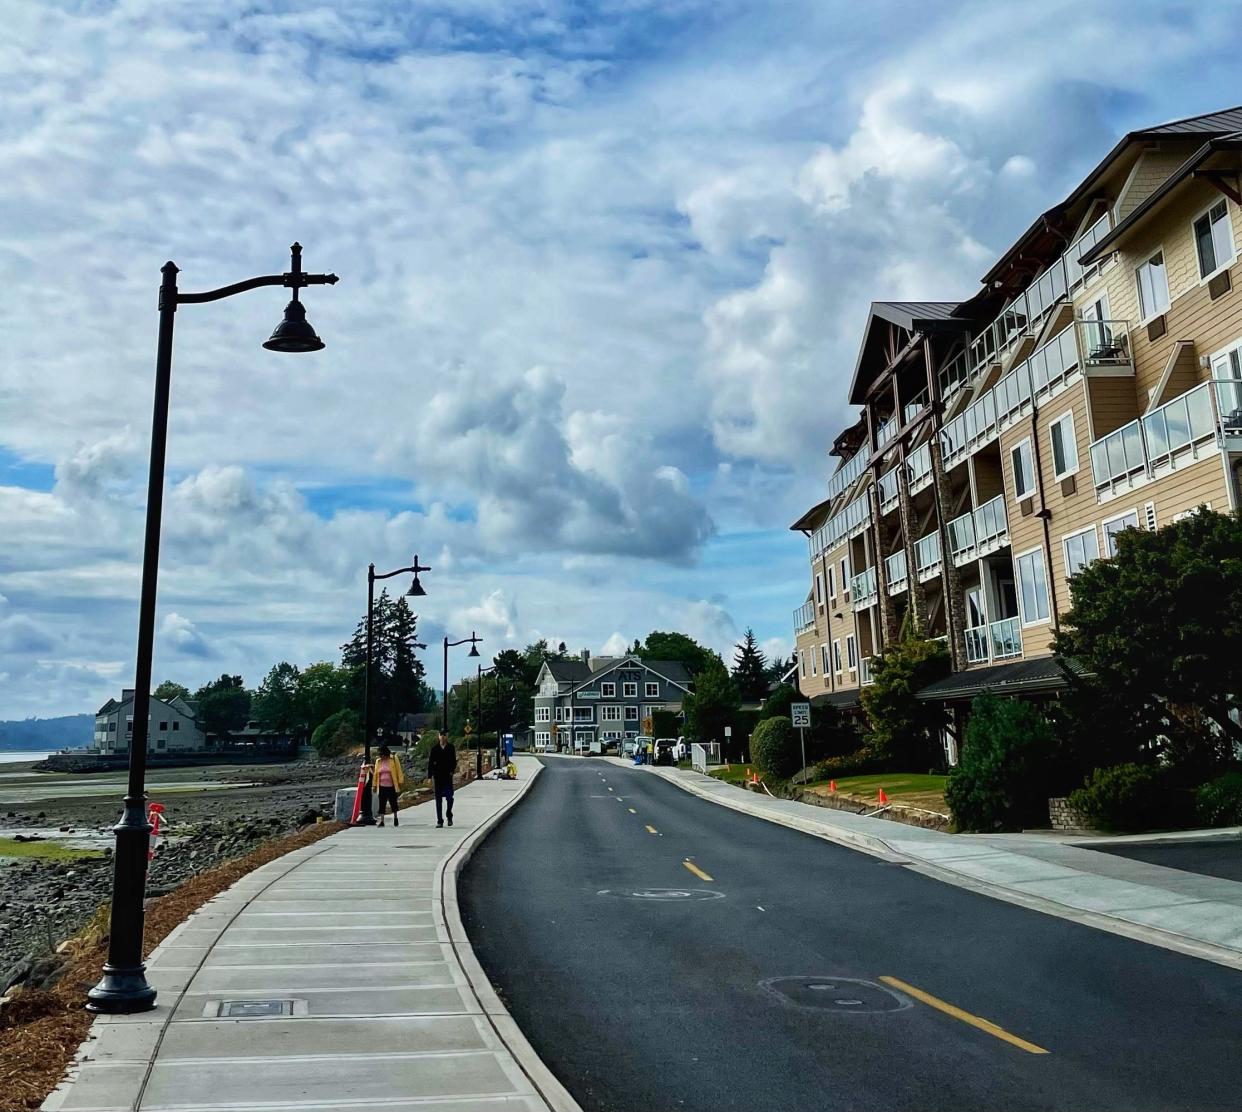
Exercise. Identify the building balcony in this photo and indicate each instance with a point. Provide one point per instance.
(979, 532)
(804, 617)
(1006, 638)
(1168, 437)
(896, 571)
(848, 523)
(1105, 346)
(845, 475)
(919, 468)
(927, 556)
(888, 491)
(863, 589)
(977, 644)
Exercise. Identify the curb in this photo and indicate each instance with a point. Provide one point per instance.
(554, 1095)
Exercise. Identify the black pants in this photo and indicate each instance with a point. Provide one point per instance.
(444, 792)
(388, 795)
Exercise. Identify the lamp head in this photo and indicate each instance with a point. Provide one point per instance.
(416, 589)
(294, 333)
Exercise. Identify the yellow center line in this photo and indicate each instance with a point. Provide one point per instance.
(696, 870)
(957, 1013)
(652, 830)
(631, 810)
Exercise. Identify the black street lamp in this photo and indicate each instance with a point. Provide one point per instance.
(366, 816)
(123, 988)
(474, 643)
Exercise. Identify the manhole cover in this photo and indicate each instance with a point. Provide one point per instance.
(663, 894)
(835, 994)
(254, 1009)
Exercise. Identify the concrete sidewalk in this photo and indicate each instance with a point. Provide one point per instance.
(355, 947)
(1193, 914)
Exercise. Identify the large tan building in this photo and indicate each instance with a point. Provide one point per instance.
(1093, 384)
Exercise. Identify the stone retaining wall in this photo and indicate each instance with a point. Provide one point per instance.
(1064, 817)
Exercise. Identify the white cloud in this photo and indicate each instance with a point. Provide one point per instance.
(184, 636)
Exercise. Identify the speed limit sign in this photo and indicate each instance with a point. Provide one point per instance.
(800, 713)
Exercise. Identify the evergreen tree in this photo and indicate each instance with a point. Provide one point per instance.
(712, 705)
(275, 705)
(750, 670)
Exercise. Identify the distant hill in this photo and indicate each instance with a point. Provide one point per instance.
(70, 732)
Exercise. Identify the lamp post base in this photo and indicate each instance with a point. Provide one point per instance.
(121, 992)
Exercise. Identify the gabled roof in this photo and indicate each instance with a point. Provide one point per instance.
(1209, 123)
(568, 671)
(914, 317)
(814, 517)
(109, 706)
(671, 670)
(1041, 673)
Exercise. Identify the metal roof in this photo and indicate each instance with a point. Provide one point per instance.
(1043, 673)
(914, 316)
(842, 700)
(1210, 123)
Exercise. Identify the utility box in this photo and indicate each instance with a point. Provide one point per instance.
(344, 804)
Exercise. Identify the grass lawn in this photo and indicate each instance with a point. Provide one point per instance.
(731, 774)
(48, 850)
(919, 789)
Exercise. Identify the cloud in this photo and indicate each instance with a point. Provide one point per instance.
(184, 636)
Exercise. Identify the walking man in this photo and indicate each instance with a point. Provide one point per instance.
(441, 765)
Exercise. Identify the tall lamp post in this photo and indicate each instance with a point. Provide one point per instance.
(473, 641)
(123, 988)
(366, 816)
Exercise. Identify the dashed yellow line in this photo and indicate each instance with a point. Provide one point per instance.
(696, 870)
(652, 830)
(957, 1013)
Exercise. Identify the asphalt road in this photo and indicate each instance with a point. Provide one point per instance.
(1219, 857)
(641, 1004)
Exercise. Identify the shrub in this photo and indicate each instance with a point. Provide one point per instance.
(1124, 797)
(857, 763)
(1001, 779)
(1219, 802)
(774, 748)
(337, 734)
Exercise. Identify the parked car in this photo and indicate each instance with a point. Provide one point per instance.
(629, 747)
(665, 750)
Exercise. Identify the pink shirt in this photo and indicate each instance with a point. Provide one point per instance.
(385, 774)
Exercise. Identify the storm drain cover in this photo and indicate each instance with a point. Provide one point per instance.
(662, 894)
(835, 994)
(254, 1009)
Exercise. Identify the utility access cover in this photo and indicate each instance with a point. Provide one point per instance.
(835, 994)
(659, 895)
(254, 1009)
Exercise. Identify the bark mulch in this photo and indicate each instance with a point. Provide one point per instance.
(41, 1029)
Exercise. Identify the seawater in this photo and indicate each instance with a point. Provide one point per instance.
(13, 756)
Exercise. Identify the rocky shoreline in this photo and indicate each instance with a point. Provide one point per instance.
(44, 901)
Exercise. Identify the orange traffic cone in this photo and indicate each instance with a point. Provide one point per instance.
(883, 797)
(832, 786)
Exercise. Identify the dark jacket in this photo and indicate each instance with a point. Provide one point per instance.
(442, 763)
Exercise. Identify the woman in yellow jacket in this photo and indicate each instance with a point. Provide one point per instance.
(389, 779)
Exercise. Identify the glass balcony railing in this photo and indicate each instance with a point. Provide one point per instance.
(1229, 405)
(1025, 312)
(1105, 343)
(837, 528)
(980, 531)
(927, 555)
(1006, 639)
(977, 644)
(863, 588)
(804, 616)
(888, 491)
(1119, 456)
(896, 570)
(915, 406)
(982, 420)
(962, 536)
(887, 431)
(845, 475)
(919, 468)
(1177, 424)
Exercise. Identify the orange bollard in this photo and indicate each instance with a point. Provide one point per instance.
(832, 786)
(362, 786)
(883, 797)
(155, 814)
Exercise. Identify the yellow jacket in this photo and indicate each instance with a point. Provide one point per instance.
(398, 777)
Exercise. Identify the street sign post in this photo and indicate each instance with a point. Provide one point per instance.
(800, 715)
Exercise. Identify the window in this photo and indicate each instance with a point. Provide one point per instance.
(160, 744)
(1214, 239)
(652, 690)
(112, 727)
(813, 666)
(1112, 528)
(631, 714)
(542, 738)
(584, 714)
(1023, 475)
(543, 714)
(836, 655)
(819, 589)
(1064, 446)
(1153, 287)
(608, 690)
(630, 690)
(176, 725)
(832, 582)
(129, 725)
(845, 576)
(1080, 550)
(851, 652)
(163, 727)
(1032, 587)
(802, 662)
(609, 714)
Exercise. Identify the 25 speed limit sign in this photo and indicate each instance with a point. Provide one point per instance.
(800, 713)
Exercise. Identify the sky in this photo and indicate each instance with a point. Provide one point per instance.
(604, 269)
